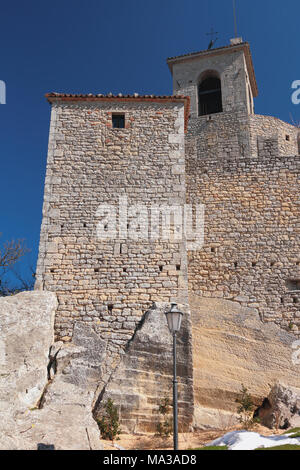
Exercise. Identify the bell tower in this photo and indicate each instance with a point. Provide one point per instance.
(220, 80)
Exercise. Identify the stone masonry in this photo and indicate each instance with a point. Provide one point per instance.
(110, 284)
(243, 167)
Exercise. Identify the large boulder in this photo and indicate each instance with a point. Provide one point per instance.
(231, 347)
(46, 397)
(26, 334)
(281, 409)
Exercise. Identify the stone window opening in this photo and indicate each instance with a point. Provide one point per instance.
(210, 95)
(235, 264)
(293, 284)
(118, 121)
(110, 307)
(253, 264)
(178, 267)
(160, 268)
(96, 270)
(287, 137)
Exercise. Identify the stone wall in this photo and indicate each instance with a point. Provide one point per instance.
(251, 247)
(218, 136)
(268, 128)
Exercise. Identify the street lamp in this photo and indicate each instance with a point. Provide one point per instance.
(174, 317)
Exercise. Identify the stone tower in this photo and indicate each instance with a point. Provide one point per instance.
(231, 66)
(245, 169)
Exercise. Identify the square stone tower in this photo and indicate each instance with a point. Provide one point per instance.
(114, 163)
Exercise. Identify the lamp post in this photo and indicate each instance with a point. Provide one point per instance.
(174, 317)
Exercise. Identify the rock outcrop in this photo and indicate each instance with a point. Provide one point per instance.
(232, 346)
(281, 409)
(144, 376)
(41, 400)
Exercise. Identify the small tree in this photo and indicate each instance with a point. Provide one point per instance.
(246, 409)
(10, 253)
(109, 423)
(164, 429)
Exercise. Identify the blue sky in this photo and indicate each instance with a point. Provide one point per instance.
(99, 46)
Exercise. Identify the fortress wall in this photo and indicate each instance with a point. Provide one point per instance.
(251, 246)
(221, 134)
(110, 284)
(270, 131)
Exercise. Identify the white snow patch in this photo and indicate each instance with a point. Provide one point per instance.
(245, 440)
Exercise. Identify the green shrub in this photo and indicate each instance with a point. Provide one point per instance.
(164, 429)
(109, 423)
(246, 409)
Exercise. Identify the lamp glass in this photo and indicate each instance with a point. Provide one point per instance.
(174, 317)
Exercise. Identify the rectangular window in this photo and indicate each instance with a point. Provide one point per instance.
(118, 121)
(293, 284)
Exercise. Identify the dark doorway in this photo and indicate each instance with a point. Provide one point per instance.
(210, 96)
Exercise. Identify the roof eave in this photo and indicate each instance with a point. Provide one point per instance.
(244, 46)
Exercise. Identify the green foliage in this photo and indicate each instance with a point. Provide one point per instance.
(164, 429)
(292, 430)
(109, 423)
(246, 409)
(283, 447)
(295, 432)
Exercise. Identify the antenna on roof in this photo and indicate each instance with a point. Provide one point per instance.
(212, 41)
(234, 16)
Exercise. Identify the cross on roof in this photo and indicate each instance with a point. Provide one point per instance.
(212, 41)
(212, 33)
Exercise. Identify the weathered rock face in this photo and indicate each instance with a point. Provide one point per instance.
(26, 322)
(144, 375)
(281, 409)
(35, 409)
(232, 346)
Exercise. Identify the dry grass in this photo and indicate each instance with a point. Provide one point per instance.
(193, 440)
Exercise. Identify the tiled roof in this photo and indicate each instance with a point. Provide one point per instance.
(54, 97)
(49, 96)
(206, 51)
